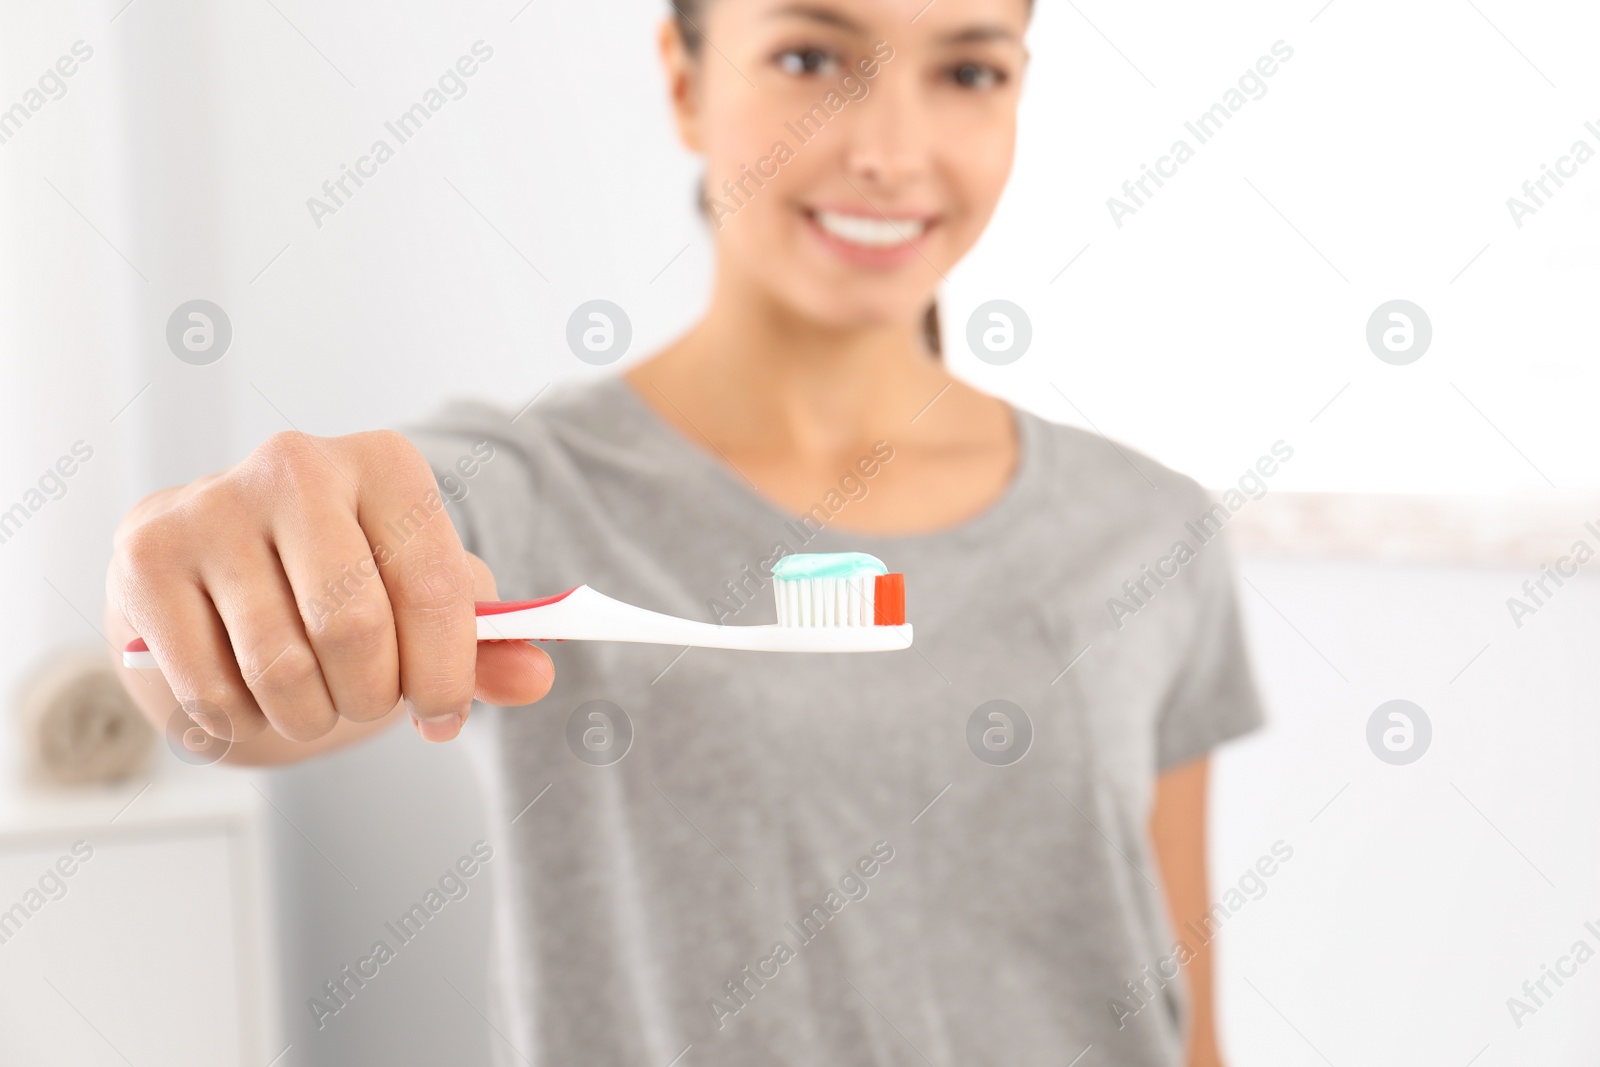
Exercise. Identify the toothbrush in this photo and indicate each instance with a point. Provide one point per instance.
(827, 602)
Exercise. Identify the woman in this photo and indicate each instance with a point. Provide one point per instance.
(988, 849)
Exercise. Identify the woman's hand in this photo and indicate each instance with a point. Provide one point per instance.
(305, 596)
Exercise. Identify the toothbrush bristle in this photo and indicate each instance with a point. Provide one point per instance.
(889, 600)
(827, 589)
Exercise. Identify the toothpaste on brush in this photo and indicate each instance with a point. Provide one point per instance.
(838, 589)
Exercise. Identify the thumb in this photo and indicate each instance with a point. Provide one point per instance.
(509, 673)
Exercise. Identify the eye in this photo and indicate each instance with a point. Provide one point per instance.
(977, 76)
(812, 61)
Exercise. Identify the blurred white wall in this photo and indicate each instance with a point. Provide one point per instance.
(1419, 897)
(1226, 314)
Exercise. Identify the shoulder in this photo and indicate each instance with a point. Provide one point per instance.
(1138, 538)
(1120, 487)
(586, 414)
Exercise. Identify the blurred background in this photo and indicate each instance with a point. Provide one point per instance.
(1429, 481)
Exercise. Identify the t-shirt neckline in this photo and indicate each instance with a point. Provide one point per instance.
(997, 515)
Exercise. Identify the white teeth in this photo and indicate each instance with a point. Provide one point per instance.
(871, 233)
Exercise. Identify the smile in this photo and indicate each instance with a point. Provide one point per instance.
(870, 232)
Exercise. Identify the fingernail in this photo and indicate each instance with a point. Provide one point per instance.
(211, 720)
(441, 728)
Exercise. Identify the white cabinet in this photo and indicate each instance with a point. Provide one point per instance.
(136, 932)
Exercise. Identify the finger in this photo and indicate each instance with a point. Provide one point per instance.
(270, 646)
(343, 606)
(425, 573)
(513, 673)
(183, 630)
(509, 673)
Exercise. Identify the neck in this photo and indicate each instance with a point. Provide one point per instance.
(755, 374)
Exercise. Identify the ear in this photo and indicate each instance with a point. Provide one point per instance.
(683, 84)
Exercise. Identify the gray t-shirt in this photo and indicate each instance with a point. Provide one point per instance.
(840, 859)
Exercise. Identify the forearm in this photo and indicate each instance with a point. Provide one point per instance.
(1178, 833)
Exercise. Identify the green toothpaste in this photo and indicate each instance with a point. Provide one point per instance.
(828, 565)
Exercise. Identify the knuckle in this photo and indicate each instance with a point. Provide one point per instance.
(435, 589)
(275, 671)
(422, 521)
(227, 712)
(360, 626)
(147, 549)
(220, 495)
(396, 459)
(289, 461)
(288, 687)
(371, 705)
(440, 691)
(284, 446)
(229, 700)
(388, 444)
(392, 455)
(302, 724)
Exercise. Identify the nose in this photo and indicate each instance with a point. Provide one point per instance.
(890, 135)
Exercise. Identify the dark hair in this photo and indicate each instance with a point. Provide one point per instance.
(687, 13)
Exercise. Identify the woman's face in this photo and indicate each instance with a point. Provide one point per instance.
(854, 151)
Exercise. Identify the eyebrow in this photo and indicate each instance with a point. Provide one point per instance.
(980, 34)
(828, 16)
(818, 13)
